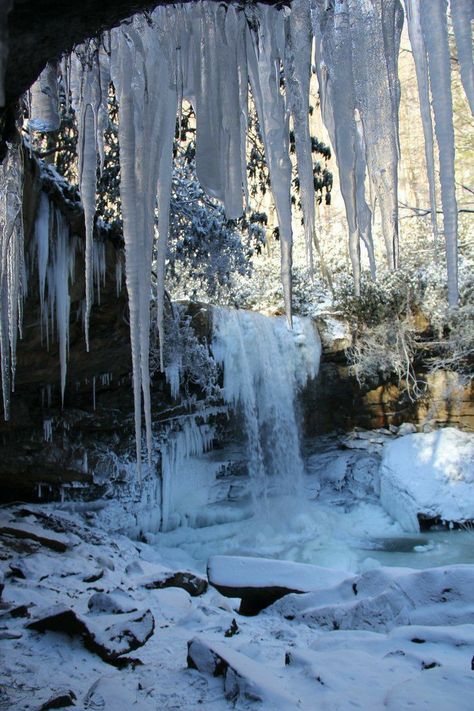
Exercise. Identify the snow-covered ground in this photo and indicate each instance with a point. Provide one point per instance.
(385, 629)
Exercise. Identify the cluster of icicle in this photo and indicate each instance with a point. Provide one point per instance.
(54, 252)
(209, 53)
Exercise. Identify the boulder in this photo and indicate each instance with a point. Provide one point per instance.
(59, 701)
(115, 602)
(260, 582)
(193, 584)
(384, 598)
(50, 539)
(109, 636)
(242, 676)
(429, 477)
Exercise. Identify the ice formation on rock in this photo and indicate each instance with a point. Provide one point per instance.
(265, 364)
(192, 440)
(209, 53)
(12, 277)
(55, 255)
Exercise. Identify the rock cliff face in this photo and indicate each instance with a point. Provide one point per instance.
(338, 402)
(43, 445)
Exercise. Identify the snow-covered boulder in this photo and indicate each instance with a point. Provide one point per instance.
(108, 635)
(384, 598)
(243, 676)
(429, 476)
(259, 582)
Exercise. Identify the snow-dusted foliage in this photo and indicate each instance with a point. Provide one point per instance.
(210, 54)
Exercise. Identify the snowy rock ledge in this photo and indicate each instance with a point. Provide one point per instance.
(429, 477)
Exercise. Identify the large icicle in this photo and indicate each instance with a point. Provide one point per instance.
(121, 74)
(58, 284)
(298, 74)
(88, 186)
(435, 34)
(462, 12)
(264, 55)
(372, 61)
(89, 95)
(422, 78)
(217, 34)
(55, 252)
(140, 68)
(11, 267)
(44, 112)
(338, 103)
(42, 229)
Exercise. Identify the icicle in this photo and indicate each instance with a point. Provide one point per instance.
(375, 98)
(90, 79)
(42, 228)
(421, 68)
(364, 214)
(207, 104)
(145, 109)
(462, 12)
(88, 183)
(118, 273)
(124, 60)
(342, 120)
(298, 74)
(164, 196)
(435, 35)
(47, 432)
(99, 266)
(5, 7)
(217, 92)
(264, 72)
(11, 267)
(60, 282)
(103, 99)
(44, 114)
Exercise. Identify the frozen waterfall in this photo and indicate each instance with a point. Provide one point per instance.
(220, 56)
(265, 364)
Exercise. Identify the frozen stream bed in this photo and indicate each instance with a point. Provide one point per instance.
(353, 538)
(93, 619)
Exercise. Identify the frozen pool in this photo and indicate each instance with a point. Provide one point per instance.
(352, 537)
